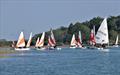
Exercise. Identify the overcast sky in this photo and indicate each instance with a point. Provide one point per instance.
(40, 15)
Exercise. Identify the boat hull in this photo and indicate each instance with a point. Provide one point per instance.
(41, 49)
(115, 45)
(22, 49)
(73, 47)
(103, 49)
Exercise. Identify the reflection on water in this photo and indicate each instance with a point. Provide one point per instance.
(64, 62)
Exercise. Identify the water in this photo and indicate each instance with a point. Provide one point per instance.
(63, 62)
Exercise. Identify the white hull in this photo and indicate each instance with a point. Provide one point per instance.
(41, 49)
(22, 49)
(51, 48)
(115, 45)
(80, 47)
(72, 47)
(103, 50)
(58, 48)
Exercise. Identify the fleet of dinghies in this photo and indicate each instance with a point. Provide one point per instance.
(99, 41)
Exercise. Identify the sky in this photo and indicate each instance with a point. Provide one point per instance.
(40, 15)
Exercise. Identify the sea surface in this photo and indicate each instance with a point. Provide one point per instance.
(61, 62)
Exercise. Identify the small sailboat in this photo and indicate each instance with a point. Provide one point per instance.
(79, 42)
(102, 36)
(52, 42)
(20, 46)
(92, 40)
(73, 43)
(40, 43)
(116, 42)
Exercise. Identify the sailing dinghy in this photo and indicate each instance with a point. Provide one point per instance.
(52, 42)
(79, 42)
(92, 40)
(21, 46)
(102, 36)
(40, 43)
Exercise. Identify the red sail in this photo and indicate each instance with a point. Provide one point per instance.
(92, 38)
(51, 42)
(79, 44)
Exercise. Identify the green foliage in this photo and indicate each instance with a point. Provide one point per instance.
(4, 43)
(64, 34)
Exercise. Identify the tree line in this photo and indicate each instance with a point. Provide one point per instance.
(64, 34)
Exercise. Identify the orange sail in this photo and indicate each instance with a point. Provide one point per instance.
(41, 42)
(21, 41)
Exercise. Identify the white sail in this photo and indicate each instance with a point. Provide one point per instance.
(29, 41)
(21, 41)
(36, 45)
(116, 42)
(41, 42)
(80, 37)
(73, 41)
(94, 30)
(102, 33)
